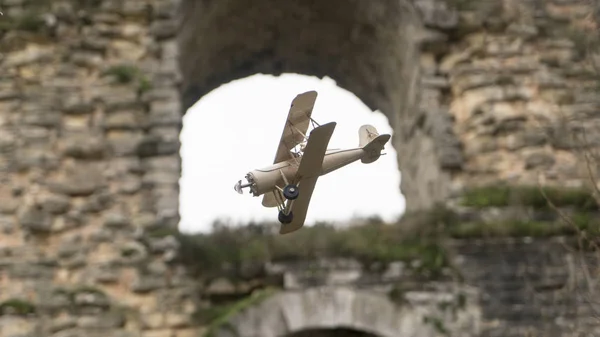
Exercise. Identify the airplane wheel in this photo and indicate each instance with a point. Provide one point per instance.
(291, 192)
(285, 219)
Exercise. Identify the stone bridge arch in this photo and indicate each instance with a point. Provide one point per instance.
(369, 48)
(327, 307)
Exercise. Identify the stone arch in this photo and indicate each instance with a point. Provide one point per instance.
(331, 333)
(323, 308)
(368, 48)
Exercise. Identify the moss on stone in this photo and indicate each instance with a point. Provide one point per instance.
(584, 41)
(218, 317)
(397, 294)
(418, 238)
(462, 5)
(527, 228)
(30, 22)
(16, 306)
(123, 73)
(371, 243)
(532, 196)
(162, 232)
(129, 74)
(89, 4)
(461, 300)
(129, 252)
(87, 290)
(144, 85)
(436, 323)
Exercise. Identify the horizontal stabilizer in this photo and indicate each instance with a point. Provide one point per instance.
(374, 147)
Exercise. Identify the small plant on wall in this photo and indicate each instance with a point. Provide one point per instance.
(129, 74)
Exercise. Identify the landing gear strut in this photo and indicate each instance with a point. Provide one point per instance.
(285, 218)
(291, 192)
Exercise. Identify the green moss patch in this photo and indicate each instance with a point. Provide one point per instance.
(29, 22)
(88, 290)
(122, 73)
(217, 317)
(532, 196)
(16, 307)
(417, 239)
(374, 243)
(437, 323)
(162, 232)
(128, 74)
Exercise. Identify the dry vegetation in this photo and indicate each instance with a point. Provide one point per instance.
(585, 252)
(372, 243)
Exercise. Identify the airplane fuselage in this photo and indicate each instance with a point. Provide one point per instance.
(265, 179)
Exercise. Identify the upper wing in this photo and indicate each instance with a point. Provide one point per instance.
(298, 116)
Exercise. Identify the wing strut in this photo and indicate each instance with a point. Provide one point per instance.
(314, 122)
(300, 132)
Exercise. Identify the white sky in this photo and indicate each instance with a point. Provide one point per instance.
(236, 128)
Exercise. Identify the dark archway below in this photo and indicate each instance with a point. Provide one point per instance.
(337, 332)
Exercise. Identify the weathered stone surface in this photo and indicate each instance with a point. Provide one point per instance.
(85, 147)
(110, 320)
(155, 146)
(133, 253)
(62, 323)
(98, 202)
(76, 105)
(160, 245)
(56, 204)
(80, 180)
(91, 298)
(7, 224)
(91, 101)
(145, 284)
(116, 220)
(539, 159)
(17, 326)
(329, 307)
(124, 143)
(36, 219)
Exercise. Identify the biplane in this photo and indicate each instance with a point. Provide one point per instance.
(302, 158)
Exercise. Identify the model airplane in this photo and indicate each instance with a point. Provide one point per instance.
(288, 184)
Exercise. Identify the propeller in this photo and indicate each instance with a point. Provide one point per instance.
(238, 187)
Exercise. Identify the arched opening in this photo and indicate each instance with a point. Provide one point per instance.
(342, 311)
(236, 128)
(369, 48)
(334, 332)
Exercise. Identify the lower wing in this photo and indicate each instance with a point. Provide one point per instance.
(300, 206)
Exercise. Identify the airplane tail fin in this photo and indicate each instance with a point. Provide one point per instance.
(372, 142)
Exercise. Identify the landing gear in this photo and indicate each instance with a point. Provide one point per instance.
(285, 218)
(291, 192)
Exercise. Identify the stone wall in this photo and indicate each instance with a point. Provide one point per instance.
(89, 165)
(531, 287)
(90, 115)
(507, 89)
(520, 286)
